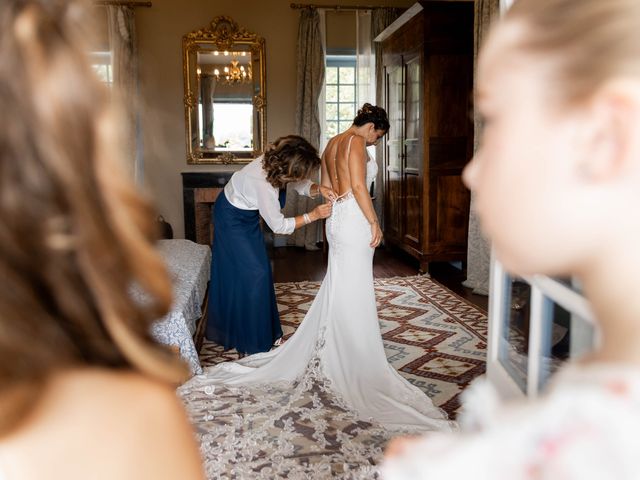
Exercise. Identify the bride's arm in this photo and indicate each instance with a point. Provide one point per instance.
(325, 178)
(357, 162)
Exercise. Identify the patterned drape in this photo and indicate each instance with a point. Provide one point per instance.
(124, 62)
(381, 18)
(310, 67)
(208, 85)
(365, 77)
(479, 250)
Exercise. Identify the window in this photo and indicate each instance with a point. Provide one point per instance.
(340, 96)
(101, 63)
(232, 127)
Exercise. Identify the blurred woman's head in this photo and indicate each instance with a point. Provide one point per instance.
(558, 88)
(290, 159)
(75, 236)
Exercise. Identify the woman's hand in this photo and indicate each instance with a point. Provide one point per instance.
(398, 446)
(321, 211)
(376, 234)
(327, 193)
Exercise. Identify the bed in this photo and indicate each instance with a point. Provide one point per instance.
(182, 328)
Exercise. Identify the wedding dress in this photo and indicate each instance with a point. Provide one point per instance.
(324, 404)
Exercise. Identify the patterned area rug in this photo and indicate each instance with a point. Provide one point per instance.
(434, 338)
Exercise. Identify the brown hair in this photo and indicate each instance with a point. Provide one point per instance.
(289, 159)
(590, 41)
(75, 236)
(372, 114)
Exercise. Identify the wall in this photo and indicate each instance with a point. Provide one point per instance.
(340, 31)
(160, 30)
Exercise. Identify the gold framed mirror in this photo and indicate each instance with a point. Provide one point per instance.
(224, 93)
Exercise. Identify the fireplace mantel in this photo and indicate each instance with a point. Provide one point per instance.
(199, 192)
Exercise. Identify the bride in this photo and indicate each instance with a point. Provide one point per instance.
(326, 401)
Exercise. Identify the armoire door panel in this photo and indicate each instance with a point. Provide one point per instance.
(413, 210)
(395, 103)
(395, 155)
(394, 150)
(448, 152)
(452, 213)
(449, 82)
(393, 209)
(413, 104)
(413, 154)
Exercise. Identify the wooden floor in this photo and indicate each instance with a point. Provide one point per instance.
(293, 264)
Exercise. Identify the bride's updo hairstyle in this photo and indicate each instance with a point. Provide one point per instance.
(372, 114)
(289, 159)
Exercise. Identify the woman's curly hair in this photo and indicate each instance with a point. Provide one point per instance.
(289, 159)
(372, 114)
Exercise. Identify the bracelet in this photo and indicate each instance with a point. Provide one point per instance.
(307, 219)
(374, 221)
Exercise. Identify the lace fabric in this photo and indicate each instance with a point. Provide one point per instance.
(344, 197)
(300, 429)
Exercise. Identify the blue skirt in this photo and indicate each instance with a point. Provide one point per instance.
(243, 313)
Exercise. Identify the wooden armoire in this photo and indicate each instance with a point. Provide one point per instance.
(427, 72)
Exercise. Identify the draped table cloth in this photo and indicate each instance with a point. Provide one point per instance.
(189, 265)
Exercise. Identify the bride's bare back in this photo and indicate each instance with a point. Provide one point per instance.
(344, 169)
(336, 160)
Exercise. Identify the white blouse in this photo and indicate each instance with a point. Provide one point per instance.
(248, 189)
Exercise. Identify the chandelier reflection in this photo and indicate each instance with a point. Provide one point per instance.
(234, 73)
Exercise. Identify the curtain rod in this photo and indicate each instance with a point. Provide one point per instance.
(127, 3)
(298, 6)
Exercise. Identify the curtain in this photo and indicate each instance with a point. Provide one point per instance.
(310, 68)
(381, 18)
(207, 86)
(365, 79)
(479, 250)
(365, 64)
(322, 15)
(124, 63)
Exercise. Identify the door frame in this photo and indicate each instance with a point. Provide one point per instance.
(543, 289)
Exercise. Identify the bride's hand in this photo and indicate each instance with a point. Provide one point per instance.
(321, 211)
(327, 193)
(376, 234)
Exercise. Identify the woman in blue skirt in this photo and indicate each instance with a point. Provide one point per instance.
(243, 313)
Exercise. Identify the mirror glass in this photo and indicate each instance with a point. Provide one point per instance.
(224, 94)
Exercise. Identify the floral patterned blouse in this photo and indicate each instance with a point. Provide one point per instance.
(587, 426)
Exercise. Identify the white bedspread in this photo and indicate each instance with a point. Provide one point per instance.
(189, 264)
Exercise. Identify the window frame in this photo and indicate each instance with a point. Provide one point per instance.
(339, 59)
(544, 289)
